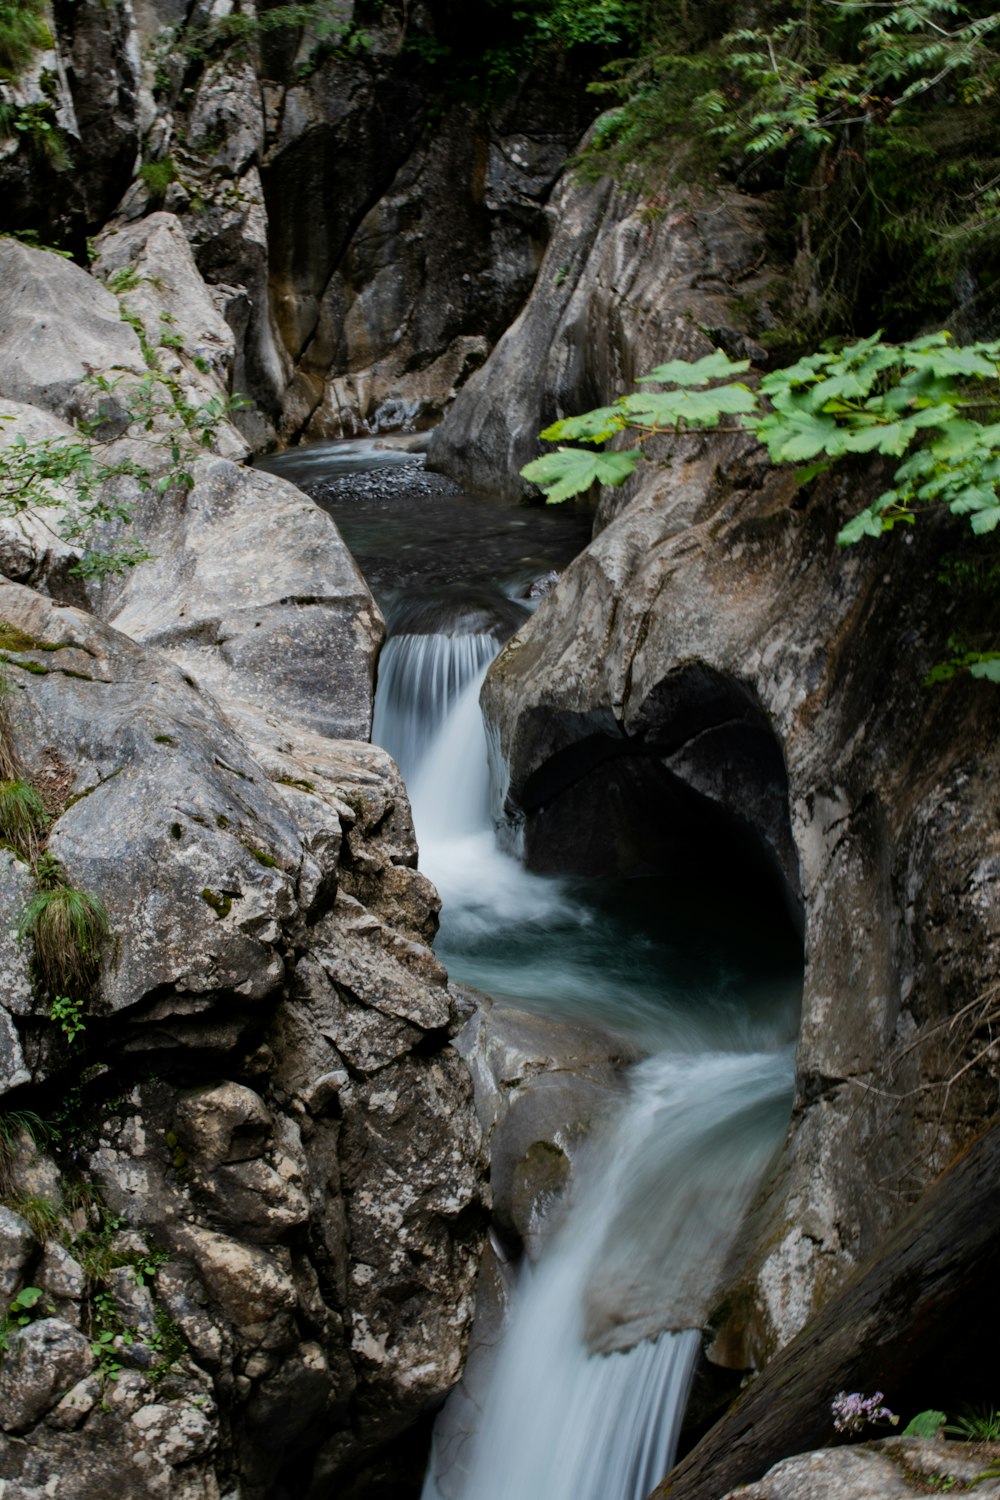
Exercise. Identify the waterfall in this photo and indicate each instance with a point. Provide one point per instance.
(427, 716)
(587, 1393)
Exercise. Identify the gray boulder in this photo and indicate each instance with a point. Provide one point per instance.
(878, 1471)
(57, 325)
(253, 593)
(42, 1361)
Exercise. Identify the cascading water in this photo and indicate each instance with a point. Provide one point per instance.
(662, 1196)
(587, 1392)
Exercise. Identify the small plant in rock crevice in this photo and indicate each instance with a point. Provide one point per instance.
(13, 1123)
(852, 1411)
(22, 817)
(67, 1012)
(68, 928)
(19, 1314)
(977, 1425)
(23, 32)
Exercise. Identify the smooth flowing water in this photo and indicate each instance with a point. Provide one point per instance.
(588, 1391)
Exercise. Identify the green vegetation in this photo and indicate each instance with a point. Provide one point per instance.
(878, 122)
(88, 486)
(926, 1424)
(157, 176)
(68, 928)
(19, 1314)
(979, 1425)
(67, 1012)
(929, 402)
(23, 31)
(220, 903)
(22, 817)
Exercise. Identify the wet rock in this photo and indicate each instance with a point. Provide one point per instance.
(540, 1087)
(617, 293)
(412, 1193)
(246, 1167)
(250, 1286)
(742, 699)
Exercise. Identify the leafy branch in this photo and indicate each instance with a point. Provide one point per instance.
(934, 404)
(88, 485)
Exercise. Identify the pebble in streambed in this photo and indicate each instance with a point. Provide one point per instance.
(387, 483)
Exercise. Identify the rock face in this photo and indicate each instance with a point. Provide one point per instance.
(619, 291)
(424, 212)
(736, 693)
(897, 1466)
(245, 1254)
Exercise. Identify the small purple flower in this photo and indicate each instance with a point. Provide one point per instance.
(852, 1411)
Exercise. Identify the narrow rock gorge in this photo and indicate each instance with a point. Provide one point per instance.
(267, 1167)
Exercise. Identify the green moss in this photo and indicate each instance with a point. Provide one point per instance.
(89, 790)
(25, 666)
(262, 857)
(13, 638)
(222, 821)
(233, 771)
(303, 786)
(220, 903)
(164, 739)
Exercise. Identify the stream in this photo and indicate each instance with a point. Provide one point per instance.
(587, 1393)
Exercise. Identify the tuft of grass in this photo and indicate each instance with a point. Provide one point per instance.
(977, 1425)
(22, 33)
(44, 1216)
(15, 1122)
(22, 816)
(158, 175)
(68, 928)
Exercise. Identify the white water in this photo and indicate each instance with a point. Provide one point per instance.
(427, 716)
(664, 1192)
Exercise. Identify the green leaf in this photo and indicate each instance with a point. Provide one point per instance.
(26, 1298)
(985, 520)
(988, 668)
(695, 408)
(571, 471)
(715, 366)
(868, 523)
(926, 1424)
(791, 436)
(592, 427)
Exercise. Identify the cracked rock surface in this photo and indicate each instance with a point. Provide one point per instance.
(241, 1212)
